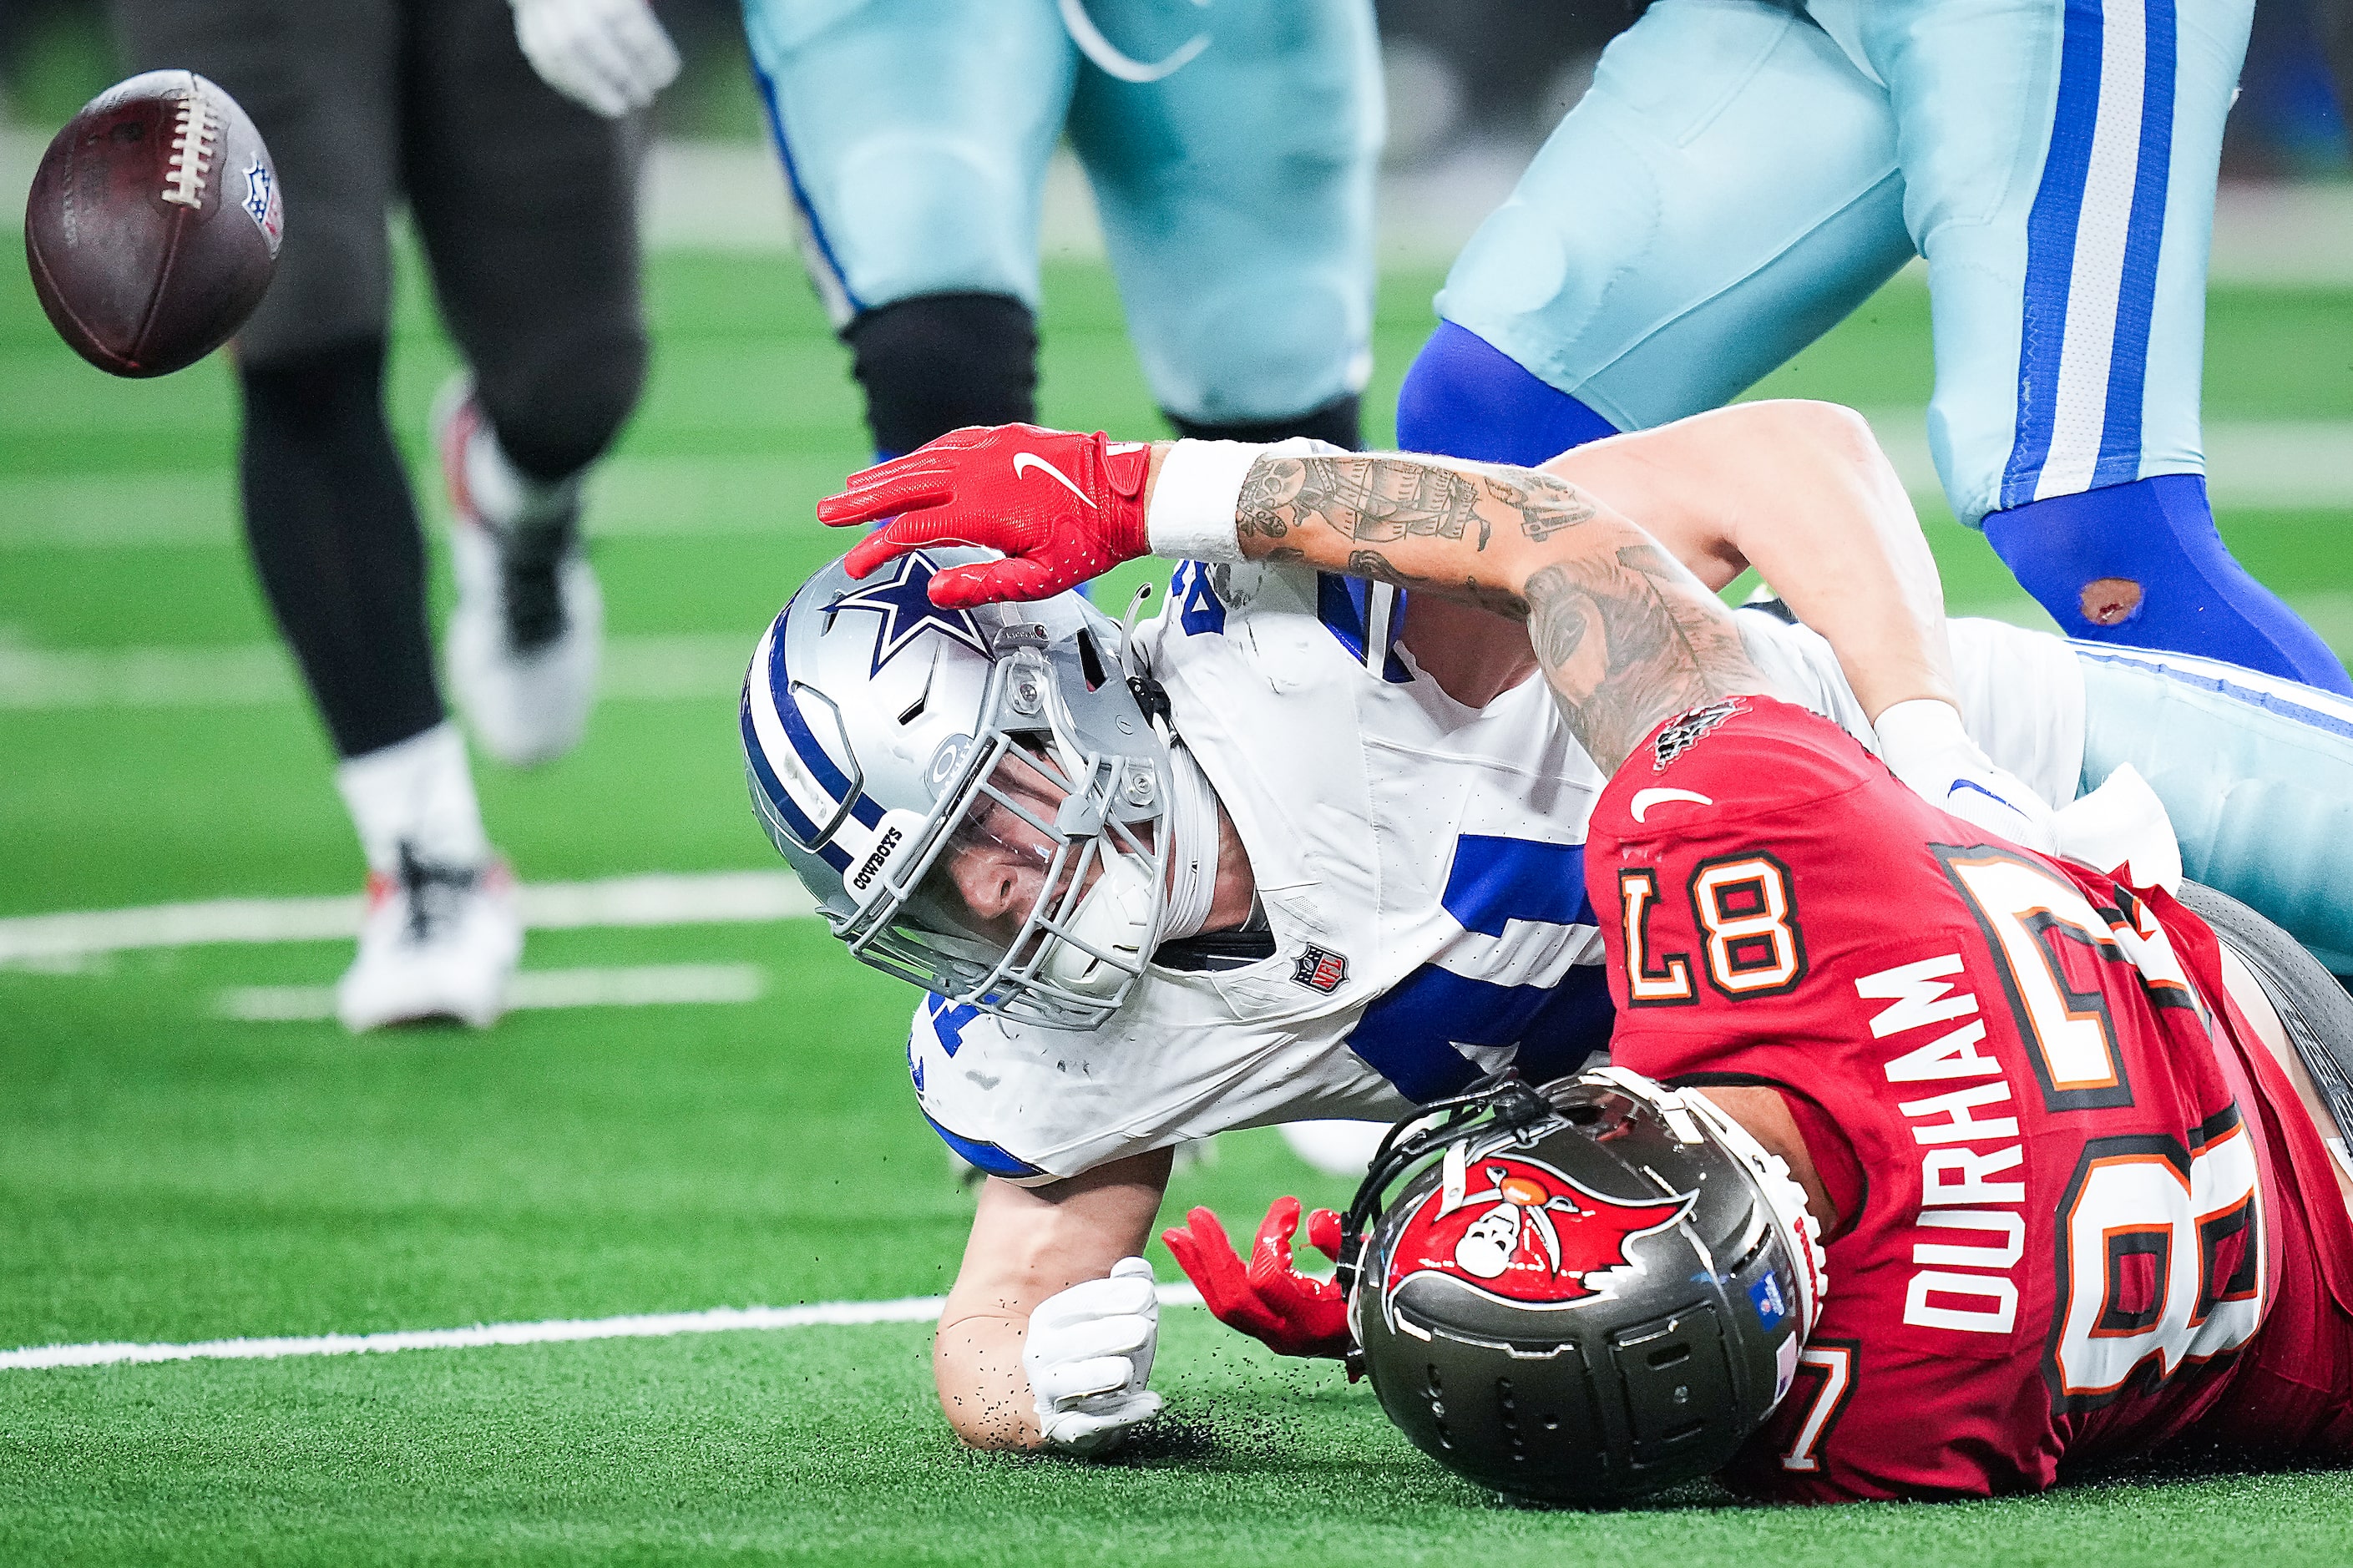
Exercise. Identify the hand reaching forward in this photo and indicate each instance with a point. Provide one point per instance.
(1269, 1300)
(1061, 507)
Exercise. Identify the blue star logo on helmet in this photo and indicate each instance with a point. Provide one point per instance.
(903, 599)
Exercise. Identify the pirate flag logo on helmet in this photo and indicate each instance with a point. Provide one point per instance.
(1523, 1234)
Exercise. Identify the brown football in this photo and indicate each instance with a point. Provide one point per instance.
(153, 224)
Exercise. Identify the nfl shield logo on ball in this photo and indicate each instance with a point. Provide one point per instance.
(261, 204)
(1320, 969)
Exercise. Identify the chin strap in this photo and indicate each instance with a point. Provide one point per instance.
(1192, 825)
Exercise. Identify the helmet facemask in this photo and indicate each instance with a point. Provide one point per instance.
(1036, 886)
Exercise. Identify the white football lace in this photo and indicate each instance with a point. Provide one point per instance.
(192, 150)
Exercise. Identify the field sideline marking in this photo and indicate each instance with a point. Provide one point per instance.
(627, 985)
(706, 898)
(557, 1330)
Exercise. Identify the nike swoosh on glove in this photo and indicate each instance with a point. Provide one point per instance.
(1268, 1299)
(1089, 1352)
(1924, 744)
(610, 55)
(1061, 507)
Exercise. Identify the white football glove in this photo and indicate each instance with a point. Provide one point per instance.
(611, 56)
(1087, 1354)
(1924, 744)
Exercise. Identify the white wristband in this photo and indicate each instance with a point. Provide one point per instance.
(1921, 726)
(1193, 500)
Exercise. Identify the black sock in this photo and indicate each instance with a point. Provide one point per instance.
(939, 361)
(334, 540)
(1335, 422)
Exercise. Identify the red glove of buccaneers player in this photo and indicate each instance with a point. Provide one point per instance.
(1269, 1300)
(1063, 508)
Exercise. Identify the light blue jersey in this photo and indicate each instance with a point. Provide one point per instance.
(1235, 185)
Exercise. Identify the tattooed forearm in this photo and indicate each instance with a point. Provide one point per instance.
(1374, 567)
(1625, 635)
(1269, 484)
(1370, 499)
(1384, 500)
(1547, 505)
(1628, 638)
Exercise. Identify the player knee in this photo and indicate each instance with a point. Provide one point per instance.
(940, 360)
(1464, 397)
(1270, 347)
(317, 396)
(558, 404)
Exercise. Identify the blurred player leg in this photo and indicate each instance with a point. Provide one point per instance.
(914, 136)
(328, 515)
(2332, 28)
(2059, 158)
(1236, 192)
(1725, 194)
(526, 205)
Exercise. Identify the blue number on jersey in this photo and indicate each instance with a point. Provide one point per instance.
(1410, 1034)
(947, 1024)
(1344, 605)
(1199, 608)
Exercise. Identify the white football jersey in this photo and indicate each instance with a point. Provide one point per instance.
(1419, 864)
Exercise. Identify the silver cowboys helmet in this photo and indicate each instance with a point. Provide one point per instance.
(974, 798)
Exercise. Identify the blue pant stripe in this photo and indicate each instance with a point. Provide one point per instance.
(2119, 461)
(2051, 250)
(2311, 715)
(771, 107)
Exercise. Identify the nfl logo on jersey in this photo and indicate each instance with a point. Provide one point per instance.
(1321, 969)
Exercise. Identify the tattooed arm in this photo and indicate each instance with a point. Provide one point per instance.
(1801, 491)
(1624, 633)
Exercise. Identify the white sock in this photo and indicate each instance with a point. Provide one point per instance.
(504, 495)
(418, 792)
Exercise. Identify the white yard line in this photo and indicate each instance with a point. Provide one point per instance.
(708, 898)
(698, 668)
(635, 985)
(730, 196)
(560, 1331)
(2283, 463)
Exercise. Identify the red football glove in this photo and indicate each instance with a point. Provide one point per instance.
(1270, 1300)
(1061, 507)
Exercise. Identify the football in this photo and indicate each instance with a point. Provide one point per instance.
(153, 224)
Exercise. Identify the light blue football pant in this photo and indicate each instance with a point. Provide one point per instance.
(2256, 772)
(1235, 195)
(1740, 177)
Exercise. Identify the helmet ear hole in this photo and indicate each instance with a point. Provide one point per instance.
(1091, 664)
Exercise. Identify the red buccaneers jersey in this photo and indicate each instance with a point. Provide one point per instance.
(2059, 1226)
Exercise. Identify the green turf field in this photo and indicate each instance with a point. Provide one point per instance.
(168, 1175)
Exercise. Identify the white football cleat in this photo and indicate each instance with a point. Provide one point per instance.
(528, 631)
(437, 942)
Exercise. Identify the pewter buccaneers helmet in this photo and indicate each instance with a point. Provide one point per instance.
(883, 736)
(1600, 1288)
